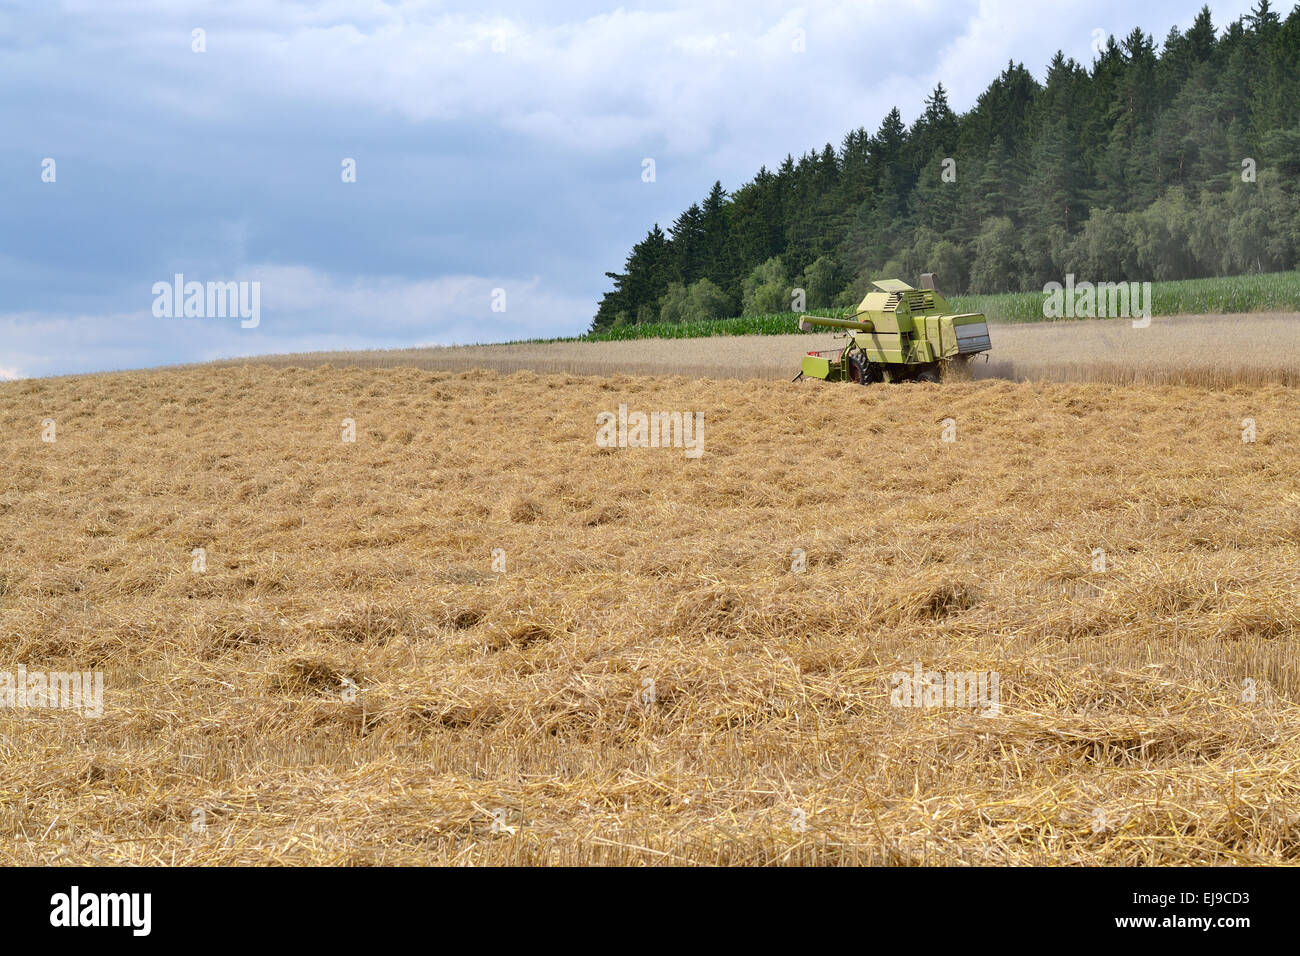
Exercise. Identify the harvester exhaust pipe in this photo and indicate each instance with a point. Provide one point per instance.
(930, 282)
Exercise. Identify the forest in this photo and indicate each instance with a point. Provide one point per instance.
(1154, 163)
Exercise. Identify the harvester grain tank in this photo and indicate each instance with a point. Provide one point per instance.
(898, 334)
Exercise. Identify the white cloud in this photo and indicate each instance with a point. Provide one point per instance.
(685, 78)
(445, 309)
(302, 309)
(675, 76)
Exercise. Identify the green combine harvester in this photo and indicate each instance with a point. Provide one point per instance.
(898, 334)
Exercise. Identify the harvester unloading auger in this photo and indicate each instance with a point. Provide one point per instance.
(898, 334)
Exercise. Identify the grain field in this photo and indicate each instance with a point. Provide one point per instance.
(474, 635)
(1208, 350)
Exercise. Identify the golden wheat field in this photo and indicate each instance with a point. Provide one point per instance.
(1205, 350)
(473, 636)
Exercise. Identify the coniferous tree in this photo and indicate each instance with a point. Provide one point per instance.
(1155, 161)
(688, 245)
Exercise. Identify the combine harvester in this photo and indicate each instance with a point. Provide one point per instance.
(898, 334)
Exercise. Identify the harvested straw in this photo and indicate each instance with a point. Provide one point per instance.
(682, 661)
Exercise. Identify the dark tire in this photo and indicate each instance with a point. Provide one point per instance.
(930, 375)
(863, 371)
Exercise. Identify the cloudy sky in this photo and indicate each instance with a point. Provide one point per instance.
(497, 146)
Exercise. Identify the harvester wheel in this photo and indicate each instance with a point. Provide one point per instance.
(930, 375)
(862, 371)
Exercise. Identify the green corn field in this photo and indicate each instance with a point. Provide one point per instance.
(1269, 292)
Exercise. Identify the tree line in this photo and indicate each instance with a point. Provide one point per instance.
(1152, 164)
